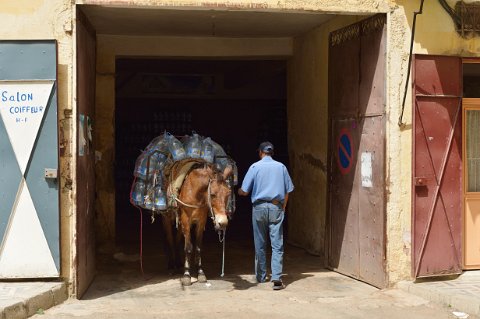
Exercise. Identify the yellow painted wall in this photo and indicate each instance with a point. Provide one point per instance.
(46, 19)
(350, 6)
(435, 34)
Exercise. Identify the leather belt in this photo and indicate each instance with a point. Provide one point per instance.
(275, 202)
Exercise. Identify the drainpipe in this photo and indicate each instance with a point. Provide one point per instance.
(420, 11)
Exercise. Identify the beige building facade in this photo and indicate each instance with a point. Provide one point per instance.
(296, 32)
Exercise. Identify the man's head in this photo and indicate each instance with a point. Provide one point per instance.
(265, 148)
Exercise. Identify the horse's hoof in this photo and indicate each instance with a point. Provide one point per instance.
(202, 278)
(186, 280)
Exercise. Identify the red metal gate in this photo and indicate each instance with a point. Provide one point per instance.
(437, 166)
(357, 161)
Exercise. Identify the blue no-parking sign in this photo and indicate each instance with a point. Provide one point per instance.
(344, 151)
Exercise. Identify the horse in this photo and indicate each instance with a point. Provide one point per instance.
(204, 193)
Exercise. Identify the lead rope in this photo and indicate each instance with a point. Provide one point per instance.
(222, 240)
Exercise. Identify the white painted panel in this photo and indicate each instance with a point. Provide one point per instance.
(22, 108)
(366, 169)
(25, 253)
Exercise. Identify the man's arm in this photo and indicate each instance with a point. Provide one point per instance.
(242, 193)
(285, 202)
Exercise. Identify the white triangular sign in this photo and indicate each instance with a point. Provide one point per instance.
(22, 108)
(25, 253)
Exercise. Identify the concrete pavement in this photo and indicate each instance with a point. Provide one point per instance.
(120, 291)
(462, 292)
(20, 300)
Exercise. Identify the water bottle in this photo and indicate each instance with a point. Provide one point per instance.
(138, 193)
(207, 150)
(176, 148)
(160, 160)
(194, 146)
(160, 199)
(221, 160)
(141, 166)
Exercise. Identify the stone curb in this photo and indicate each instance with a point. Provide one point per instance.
(20, 309)
(470, 305)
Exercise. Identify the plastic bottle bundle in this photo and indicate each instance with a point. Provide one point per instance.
(159, 144)
(141, 163)
(176, 148)
(159, 198)
(207, 150)
(221, 161)
(193, 146)
(138, 193)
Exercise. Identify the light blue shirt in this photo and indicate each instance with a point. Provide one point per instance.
(267, 180)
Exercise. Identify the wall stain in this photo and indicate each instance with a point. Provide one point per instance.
(315, 162)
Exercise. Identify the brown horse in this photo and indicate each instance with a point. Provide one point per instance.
(204, 193)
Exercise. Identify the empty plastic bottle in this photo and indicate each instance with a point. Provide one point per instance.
(141, 166)
(221, 160)
(138, 193)
(176, 148)
(194, 146)
(207, 150)
(160, 199)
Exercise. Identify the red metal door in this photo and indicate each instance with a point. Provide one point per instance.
(357, 161)
(85, 181)
(437, 166)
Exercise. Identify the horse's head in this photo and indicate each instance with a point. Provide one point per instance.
(219, 194)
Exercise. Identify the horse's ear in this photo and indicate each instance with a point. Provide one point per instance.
(227, 171)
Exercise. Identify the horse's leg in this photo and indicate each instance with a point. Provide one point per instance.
(198, 249)
(186, 279)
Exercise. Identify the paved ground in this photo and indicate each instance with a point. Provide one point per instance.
(461, 292)
(120, 291)
(23, 299)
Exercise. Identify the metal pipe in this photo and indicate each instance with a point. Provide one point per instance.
(420, 11)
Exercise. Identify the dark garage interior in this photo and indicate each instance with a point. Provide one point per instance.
(238, 103)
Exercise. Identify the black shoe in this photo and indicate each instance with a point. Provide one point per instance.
(278, 285)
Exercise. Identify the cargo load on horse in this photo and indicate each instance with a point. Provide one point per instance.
(185, 181)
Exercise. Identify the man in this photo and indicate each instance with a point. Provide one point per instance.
(270, 184)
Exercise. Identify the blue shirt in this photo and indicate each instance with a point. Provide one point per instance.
(267, 179)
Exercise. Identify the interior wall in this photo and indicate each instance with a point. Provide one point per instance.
(110, 47)
(39, 19)
(307, 109)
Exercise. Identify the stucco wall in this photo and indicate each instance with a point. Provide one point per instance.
(308, 135)
(352, 6)
(43, 19)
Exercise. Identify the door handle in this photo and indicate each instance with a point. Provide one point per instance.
(421, 181)
(51, 173)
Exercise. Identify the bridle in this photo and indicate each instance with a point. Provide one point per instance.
(209, 201)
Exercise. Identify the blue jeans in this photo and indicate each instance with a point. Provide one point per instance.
(267, 220)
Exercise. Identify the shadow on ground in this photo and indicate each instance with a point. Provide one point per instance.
(121, 271)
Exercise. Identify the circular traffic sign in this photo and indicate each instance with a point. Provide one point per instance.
(344, 151)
